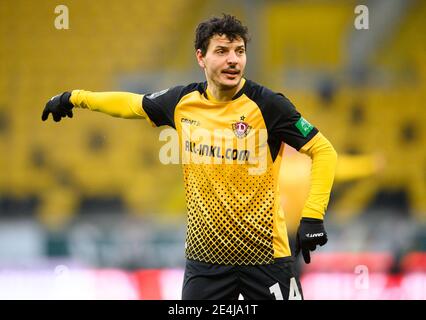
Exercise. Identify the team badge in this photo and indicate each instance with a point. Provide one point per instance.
(241, 129)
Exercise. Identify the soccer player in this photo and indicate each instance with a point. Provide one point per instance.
(232, 135)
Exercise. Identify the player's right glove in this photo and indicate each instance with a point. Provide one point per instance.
(311, 233)
(59, 106)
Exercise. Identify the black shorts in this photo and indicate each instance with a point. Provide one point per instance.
(277, 281)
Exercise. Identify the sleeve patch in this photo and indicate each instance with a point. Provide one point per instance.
(157, 94)
(304, 126)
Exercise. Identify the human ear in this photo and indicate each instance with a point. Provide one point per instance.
(200, 58)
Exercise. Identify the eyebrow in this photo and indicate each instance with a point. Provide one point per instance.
(226, 47)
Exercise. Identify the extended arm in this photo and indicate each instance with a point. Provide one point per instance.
(117, 104)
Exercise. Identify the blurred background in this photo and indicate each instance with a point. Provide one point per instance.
(87, 211)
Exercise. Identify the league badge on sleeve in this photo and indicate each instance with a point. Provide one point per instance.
(304, 126)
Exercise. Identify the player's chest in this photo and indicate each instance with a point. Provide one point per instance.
(240, 118)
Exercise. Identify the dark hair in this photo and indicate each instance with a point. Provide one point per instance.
(227, 25)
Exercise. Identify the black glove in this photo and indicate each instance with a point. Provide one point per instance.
(311, 233)
(59, 106)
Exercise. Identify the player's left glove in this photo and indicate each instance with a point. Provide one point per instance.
(311, 233)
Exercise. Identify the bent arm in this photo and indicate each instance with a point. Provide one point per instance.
(117, 104)
(324, 160)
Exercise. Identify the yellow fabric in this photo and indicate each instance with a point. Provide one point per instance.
(241, 211)
(117, 104)
(324, 160)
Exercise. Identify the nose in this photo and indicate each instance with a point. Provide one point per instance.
(232, 58)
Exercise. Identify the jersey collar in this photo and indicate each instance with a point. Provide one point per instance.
(236, 96)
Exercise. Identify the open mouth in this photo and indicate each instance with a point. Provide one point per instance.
(231, 72)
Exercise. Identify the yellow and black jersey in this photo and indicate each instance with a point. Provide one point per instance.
(231, 154)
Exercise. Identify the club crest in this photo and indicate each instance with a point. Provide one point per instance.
(241, 129)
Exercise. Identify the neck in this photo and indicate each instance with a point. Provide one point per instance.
(215, 93)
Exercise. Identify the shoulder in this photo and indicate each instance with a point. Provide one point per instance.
(175, 92)
(266, 98)
(188, 88)
(160, 106)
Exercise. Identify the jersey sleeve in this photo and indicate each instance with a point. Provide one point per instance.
(160, 106)
(287, 124)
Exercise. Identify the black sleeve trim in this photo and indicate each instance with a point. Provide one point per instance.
(160, 106)
(282, 120)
